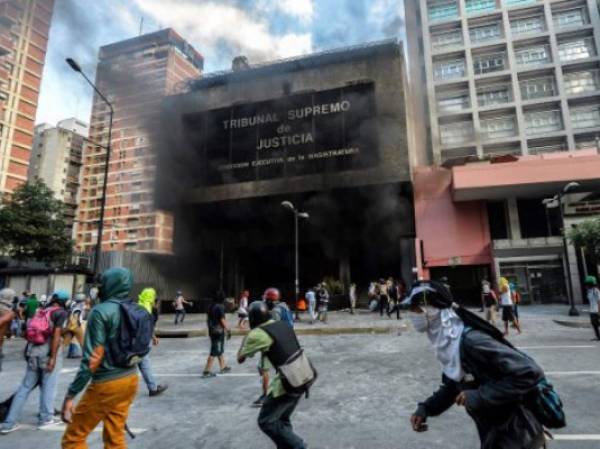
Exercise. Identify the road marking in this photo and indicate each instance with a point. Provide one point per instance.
(559, 347)
(68, 370)
(199, 375)
(572, 373)
(578, 437)
(60, 427)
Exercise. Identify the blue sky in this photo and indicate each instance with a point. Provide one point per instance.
(219, 29)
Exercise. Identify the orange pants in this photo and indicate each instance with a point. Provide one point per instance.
(107, 402)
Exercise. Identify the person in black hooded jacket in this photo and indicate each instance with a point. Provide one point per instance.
(481, 372)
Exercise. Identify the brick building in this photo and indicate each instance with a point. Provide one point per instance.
(24, 27)
(135, 75)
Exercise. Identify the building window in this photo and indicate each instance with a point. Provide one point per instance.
(499, 127)
(574, 49)
(498, 220)
(582, 82)
(479, 6)
(517, 2)
(547, 147)
(445, 70)
(483, 33)
(533, 55)
(442, 10)
(446, 40)
(537, 122)
(488, 63)
(585, 117)
(526, 25)
(456, 133)
(537, 88)
(571, 17)
(454, 101)
(493, 95)
(535, 220)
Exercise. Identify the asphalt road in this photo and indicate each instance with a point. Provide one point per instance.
(368, 387)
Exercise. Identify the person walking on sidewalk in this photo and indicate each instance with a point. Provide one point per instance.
(489, 301)
(217, 329)
(311, 298)
(593, 297)
(506, 304)
(179, 304)
(352, 296)
(147, 299)
(323, 295)
(43, 356)
(383, 296)
(276, 341)
(111, 388)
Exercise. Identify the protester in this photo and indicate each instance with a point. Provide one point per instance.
(179, 304)
(277, 342)
(15, 326)
(352, 297)
(311, 298)
(394, 299)
(481, 372)
(323, 296)
(113, 388)
(6, 316)
(516, 299)
(489, 301)
(593, 296)
(30, 307)
(217, 329)
(43, 356)
(147, 299)
(506, 303)
(383, 296)
(75, 327)
(243, 309)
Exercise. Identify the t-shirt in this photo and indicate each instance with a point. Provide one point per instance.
(310, 297)
(593, 296)
(215, 314)
(505, 298)
(179, 303)
(31, 305)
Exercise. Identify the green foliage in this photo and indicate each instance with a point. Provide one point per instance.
(587, 235)
(334, 286)
(32, 225)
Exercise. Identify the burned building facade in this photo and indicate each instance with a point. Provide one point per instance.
(329, 132)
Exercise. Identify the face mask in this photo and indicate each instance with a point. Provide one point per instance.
(419, 322)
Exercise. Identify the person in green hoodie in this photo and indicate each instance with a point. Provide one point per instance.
(111, 389)
(147, 300)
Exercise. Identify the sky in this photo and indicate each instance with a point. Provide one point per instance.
(262, 30)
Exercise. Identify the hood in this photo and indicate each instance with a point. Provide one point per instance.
(115, 283)
(147, 299)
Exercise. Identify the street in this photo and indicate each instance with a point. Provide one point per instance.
(367, 389)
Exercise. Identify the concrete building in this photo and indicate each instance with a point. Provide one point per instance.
(331, 132)
(24, 27)
(135, 75)
(506, 76)
(56, 159)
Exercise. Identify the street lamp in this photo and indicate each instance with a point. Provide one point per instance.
(297, 214)
(557, 201)
(77, 68)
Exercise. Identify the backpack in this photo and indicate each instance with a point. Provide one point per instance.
(39, 328)
(286, 314)
(134, 335)
(298, 373)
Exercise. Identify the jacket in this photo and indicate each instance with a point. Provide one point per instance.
(497, 379)
(103, 324)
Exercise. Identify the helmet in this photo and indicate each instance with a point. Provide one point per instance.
(272, 294)
(258, 313)
(60, 296)
(591, 280)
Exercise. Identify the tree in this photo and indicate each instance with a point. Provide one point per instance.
(32, 225)
(587, 235)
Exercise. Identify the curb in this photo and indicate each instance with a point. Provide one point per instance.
(574, 324)
(303, 331)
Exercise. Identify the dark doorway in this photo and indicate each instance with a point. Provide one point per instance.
(465, 282)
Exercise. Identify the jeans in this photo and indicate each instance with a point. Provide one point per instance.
(48, 381)
(274, 421)
(311, 310)
(179, 313)
(147, 374)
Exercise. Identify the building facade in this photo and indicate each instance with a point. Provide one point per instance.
(24, 28)
(135, 75)
(56, 159)
(506, 76)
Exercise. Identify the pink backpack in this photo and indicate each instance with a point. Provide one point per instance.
(39, 328)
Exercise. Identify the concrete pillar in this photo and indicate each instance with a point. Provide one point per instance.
(513, 219)
(345, 276)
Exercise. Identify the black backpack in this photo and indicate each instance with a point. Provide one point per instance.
(133, 338)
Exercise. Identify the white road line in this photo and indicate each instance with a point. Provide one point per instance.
(199, 375)
(559, 347)
(580, 437)
(60, 427)
(572, 373)
(68, 370)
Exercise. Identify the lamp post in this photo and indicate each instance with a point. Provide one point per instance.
(557, 201)
(76, 68)
(297, 214)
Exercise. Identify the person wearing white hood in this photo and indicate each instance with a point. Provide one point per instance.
(481, 372)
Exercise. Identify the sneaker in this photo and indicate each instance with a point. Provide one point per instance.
(226, 370)
(260, 401)
(51, 422)
(207, 374)
(159, 390)
(7, 428)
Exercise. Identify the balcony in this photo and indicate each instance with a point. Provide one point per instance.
(494, 95)
(585, 117)
(479, 6)
(582, 82)
(533, 55)
(6, 45)
(576, 49)
(489, 63)
(485, 33)
(449, 69)
(527, 25)
(442, 10)
(446, 41)
(500, 127)
(538, 122)
(454, 101)
(538, 88)
(538, 242)
(570, 18)
(456, 133)
(10, 13)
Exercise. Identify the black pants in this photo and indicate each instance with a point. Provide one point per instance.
(395, 308)
(274, 421)
(594, 318)
(383, 303)
(179, 313)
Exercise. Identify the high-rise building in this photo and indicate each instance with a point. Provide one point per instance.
(135, 75)
(24, 28)
(56, 159)
(506, 76)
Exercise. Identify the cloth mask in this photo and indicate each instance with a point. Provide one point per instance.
(444, 330)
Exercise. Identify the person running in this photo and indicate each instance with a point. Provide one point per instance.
(311, 298)
(217, 329)
(352, 297)
(277, 342)
(323, 296)
(147, 299)
(43, 356)
(593, 297)
(506, 305)
(481, 372)
(243, 309)
(179, 304)
(489, 301)
(7, 315)
(110, 389)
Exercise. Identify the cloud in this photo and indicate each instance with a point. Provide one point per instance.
(302, 9)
